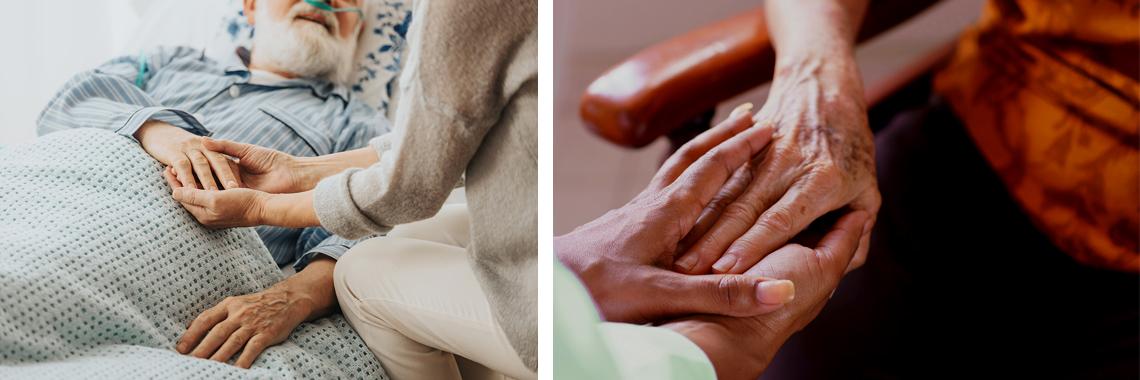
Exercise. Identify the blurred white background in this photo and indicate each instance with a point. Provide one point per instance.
(45, 43)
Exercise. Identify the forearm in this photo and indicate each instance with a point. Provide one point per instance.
(814, 27)
(815, 43)
(96, 99)
(289, 210)
(730, 357)
(314, 169)
(313, 286)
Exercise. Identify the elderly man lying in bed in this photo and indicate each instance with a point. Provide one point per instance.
(290, 97)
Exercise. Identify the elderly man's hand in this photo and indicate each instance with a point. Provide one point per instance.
(251, 323)
(741, 348)
(621, 257)
(821, 159)
(192, 164)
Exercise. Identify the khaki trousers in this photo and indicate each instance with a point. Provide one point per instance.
(414, 299)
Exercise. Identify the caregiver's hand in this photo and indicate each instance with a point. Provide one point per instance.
(264, 169)
(821, 159)
(193, 165)
(741, 348)
(251, 323)
(244, 207)
(621, 257)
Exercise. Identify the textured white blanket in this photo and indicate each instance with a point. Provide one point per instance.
(101, 272)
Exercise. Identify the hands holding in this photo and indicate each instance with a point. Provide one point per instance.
(621, 257)
(267, 172)
(187, 158)
(741, 315)
(821, 159)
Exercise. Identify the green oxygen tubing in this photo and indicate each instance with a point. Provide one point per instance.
(143, 68)
(324, 6)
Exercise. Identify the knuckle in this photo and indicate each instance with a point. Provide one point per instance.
(740, 212)
(257, 343)
(182, 162)
(817, 261)
(728, 292)
(745, 246)
(688, 153)
(777, 221)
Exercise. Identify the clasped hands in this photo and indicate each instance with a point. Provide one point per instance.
(718, 248)
(229, 184)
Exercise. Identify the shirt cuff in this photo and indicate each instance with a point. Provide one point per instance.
(647, 352)
(177, 118)
(334, 251)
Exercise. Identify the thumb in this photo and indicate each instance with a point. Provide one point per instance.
(189, 196)
(734, 295)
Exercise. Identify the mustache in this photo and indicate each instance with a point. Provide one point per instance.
(327, 18)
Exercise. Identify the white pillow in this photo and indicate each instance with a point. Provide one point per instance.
(219, 27)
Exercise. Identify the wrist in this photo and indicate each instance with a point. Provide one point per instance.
(311, 170)
(161, 140)
(312, 287)
(293, 210)
(835, 71)
(721, 340)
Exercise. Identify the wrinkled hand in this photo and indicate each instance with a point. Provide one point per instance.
(193, 164)
(741, 348)
(621, 257)
(821, 159)
(262, 168)
(219, 208)
(253, 322)
(259, 320)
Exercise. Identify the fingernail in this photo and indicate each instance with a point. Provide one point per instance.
(686, 263)
(867, 226)
(740, 110)
(724, 264)
(231, 184)
(775, 292)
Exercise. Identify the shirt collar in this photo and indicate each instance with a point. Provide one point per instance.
(320, 87)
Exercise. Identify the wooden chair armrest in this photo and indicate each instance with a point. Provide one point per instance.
(657, 89)
(668, 84)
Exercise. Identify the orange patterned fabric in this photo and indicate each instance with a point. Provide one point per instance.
(1048, 91)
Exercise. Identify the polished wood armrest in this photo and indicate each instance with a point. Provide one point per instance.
(660, 88)
(652, 92)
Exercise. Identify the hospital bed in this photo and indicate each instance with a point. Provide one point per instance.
(94, 286)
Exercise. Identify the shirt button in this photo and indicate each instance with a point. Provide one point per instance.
(235, 91)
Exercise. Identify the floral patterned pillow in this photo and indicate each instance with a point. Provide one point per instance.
(378, 54)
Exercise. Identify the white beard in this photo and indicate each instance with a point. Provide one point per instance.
(304, 48)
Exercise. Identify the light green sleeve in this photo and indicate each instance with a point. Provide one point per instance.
(587, 348)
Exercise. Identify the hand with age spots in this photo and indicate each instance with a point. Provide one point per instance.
(251, 323)
(623, 257)
(821, 159)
